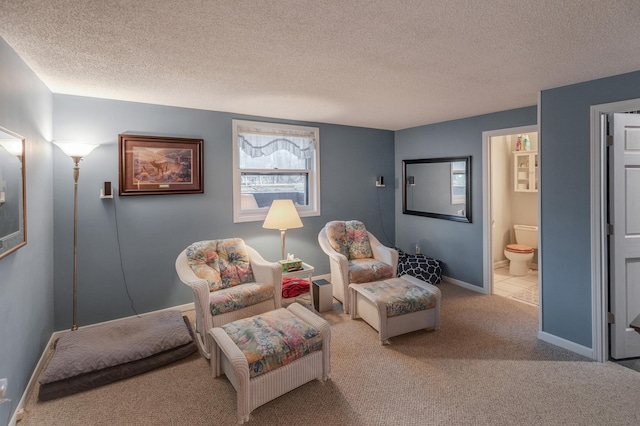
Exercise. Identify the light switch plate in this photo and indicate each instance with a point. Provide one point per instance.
(2, 197)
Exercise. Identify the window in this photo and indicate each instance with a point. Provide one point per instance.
(458, 182)
(274, 161)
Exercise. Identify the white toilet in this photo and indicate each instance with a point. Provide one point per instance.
(521, 253)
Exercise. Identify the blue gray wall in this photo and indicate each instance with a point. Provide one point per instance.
(26, 275)
(458, 245)
(565, 201)
(154, 229)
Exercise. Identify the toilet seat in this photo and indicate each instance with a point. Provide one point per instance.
(519, 248)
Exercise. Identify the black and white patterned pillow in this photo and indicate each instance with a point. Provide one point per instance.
(420, 266)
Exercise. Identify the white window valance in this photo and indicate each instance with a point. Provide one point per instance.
(258, 142)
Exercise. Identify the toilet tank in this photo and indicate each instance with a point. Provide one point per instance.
(527, 235)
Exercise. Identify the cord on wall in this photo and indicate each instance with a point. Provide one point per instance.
(391, 244)
(124, 277)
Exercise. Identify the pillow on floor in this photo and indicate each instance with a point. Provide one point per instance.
(420, 266)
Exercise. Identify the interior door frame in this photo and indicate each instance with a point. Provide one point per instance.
(599, 250)
(487, 235)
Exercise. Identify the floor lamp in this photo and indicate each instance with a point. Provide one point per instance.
(76, 151)
(282, 215)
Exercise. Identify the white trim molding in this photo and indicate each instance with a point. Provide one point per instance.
(565, 344)
(463, 284)
(599, 264)
(486, 199)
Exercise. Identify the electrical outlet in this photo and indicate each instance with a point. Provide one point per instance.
(3, 387)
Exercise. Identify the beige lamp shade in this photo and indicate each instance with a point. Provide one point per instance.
(282, 215)
(76, 149)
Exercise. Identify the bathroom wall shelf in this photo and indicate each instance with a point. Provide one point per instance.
(525, 171)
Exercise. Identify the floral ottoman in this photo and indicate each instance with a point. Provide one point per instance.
(270, 354)
(396, 306)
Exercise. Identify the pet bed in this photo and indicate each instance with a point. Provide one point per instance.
(95, 356)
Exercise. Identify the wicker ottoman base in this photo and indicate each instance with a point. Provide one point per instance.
(251, 393)
(367, 306)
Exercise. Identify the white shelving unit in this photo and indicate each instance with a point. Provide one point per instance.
(525, 171)
(305, 272)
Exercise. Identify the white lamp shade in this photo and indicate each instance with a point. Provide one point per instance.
(13, 146)
(76, 149)
(282, 215)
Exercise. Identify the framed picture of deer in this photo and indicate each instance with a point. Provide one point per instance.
(155, 165)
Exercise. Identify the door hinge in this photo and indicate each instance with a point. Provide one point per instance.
(609, 229)
(609, 140)
(611, 319)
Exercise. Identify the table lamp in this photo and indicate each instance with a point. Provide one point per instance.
(282, 215)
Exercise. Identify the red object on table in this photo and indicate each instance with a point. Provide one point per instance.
(293, 287)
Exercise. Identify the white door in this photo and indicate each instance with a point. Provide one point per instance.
(624, 243)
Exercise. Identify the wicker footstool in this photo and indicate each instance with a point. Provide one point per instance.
(270, 354)
(396, 306)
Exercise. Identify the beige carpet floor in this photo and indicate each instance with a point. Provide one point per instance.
(484, 367)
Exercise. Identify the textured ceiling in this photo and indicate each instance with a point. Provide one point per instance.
(381, 64)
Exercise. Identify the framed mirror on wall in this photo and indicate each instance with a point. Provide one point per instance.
(437, 187)
(13, 217)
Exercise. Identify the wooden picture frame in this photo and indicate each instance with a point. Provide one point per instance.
(157, 165)
(13, 198)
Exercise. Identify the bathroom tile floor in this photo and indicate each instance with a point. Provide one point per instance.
(522, 289)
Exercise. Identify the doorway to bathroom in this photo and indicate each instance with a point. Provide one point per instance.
(511, 175)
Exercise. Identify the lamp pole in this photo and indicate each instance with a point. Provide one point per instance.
(76, 174)
(76, 151)
(282, 232)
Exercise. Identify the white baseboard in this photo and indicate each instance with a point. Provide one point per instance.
(505, 263)
(322, 277)
(36, 372)
(464, 284)
(56, 335)
(566, 344)
(500, 263)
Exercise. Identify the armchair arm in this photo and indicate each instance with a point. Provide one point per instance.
(266, 272)
(339, 265)
(383, 253)
(200, 289)
(336, 260)
(185, 273)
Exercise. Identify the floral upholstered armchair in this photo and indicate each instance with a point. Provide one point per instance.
(355, 256)
(230, 281)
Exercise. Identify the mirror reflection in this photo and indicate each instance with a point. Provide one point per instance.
(437, 187)
(12, 192)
